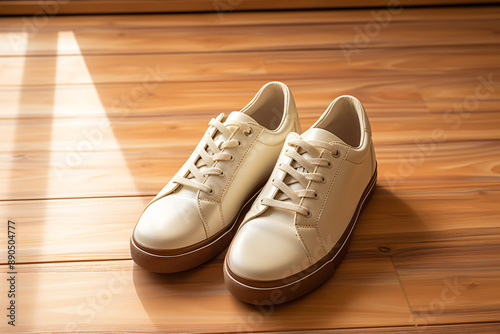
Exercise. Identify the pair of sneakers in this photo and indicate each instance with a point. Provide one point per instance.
(290, 200)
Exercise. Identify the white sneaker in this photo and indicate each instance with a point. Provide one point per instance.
(298, 229)
(195, 215)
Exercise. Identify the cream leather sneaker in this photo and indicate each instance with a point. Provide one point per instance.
(195, 215)
(298, 229)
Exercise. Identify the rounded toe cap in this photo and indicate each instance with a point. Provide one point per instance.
(169, 223)
(265, 251)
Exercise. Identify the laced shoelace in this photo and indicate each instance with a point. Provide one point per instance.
(203, 164)
(294, 175)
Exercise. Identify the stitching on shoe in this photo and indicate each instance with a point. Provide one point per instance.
(205, 222)
(304, 245)
(238, 165)
(322, 244)
(306, 226)
(219, 205)
(220, 211)
(320, 239)
(332, 184)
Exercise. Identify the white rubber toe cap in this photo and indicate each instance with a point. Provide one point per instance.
(171, 222)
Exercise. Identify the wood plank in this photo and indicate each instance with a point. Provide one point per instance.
(180, 134)
(454, 295)
(30, 7)
(188, 100)
(363, 293)
(486, 328)
(241, 38)
(382, 96)
(128, 22)
(99, 229)
(89, 170)
(401, 220)
(91, 69)
(73, 229)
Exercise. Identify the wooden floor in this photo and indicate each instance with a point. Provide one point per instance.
(97, 113)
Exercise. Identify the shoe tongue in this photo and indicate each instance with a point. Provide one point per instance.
(320, 135)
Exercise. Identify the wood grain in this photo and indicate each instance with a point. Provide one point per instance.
(30, 7)
(131, 22)
(399, 219)
(240, 38)
(153, 134)
(385, 95)
(264, 65)
(487, 328)
(442, 296)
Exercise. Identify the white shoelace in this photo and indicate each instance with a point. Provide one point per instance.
(294, 175)
(203, 164)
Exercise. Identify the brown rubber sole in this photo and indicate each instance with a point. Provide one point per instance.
(159, 262)
(290, 288)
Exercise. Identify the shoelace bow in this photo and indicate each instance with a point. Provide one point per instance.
(203, 164)
(313, 147)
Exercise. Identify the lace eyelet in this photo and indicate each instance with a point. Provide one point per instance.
(336, 154)
(248, 133)
(222, 173)
(232, 158)
(239, 143)
(316, 196)
(329, 164)
(323, 180)
(211, 192)
(309, 214)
